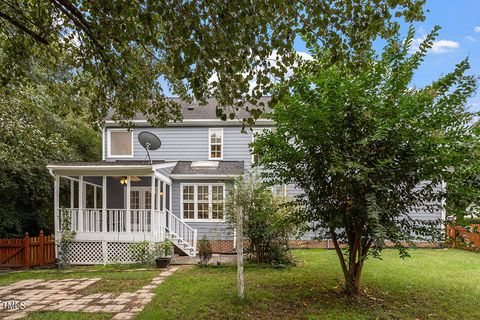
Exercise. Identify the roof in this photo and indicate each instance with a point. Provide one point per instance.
(196, 111)
(108, 163)
(227, 168)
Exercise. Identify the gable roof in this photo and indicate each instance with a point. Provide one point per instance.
(196, 111)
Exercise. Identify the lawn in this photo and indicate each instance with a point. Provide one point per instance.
(432, 284)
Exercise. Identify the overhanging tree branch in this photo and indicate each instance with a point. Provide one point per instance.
(23, 28)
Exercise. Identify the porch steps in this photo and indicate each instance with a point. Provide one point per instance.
(181, 244)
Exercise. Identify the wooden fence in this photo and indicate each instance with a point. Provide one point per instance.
(27, 252)
(464, 238)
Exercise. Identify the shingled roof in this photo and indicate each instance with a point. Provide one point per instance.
(196, 111)
(233, 168)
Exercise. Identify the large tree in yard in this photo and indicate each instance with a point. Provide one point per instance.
(367, 147)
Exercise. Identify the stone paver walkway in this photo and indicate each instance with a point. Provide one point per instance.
(63, 295)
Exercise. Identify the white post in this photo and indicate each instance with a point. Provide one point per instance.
(158, 194)
(152, 203)
(56, 201)
(164, 196)
(95, 197)
(80, 204)
(240, 280)
(72, 194)
(104, 204)
(127, 224)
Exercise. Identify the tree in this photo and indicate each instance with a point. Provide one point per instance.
(121, 49)
(33, 132)
(366, 147)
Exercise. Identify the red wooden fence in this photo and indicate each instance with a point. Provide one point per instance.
(469, 238)
(27, 252)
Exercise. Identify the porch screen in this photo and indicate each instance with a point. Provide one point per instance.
(120, 143)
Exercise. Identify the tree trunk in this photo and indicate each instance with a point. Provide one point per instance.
(352, 271)
(240, 280)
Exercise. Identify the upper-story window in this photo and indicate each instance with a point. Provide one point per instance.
(215, 143)
(120, 143)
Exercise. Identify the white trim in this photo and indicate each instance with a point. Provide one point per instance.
(109, 142)
(195, 202)
(203, 176)
(210, 130)
(103, 144)
(113, 166)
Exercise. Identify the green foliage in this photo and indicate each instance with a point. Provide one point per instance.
(163, 249)
(141, 253)
(144, 252)
(34, 132)
(67, 236)
(204, 250)
(360, 141)
(119, 50)
(267, 219)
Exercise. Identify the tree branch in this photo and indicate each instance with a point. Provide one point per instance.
(23, 28)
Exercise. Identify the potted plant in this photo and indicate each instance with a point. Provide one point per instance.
(164, 252)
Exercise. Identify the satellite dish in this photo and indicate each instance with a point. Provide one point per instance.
(149, 141)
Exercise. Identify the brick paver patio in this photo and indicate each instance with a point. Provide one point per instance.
(63, 295)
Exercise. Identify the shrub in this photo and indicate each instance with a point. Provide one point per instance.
(141, 253)
(204, 250)
(267, 220)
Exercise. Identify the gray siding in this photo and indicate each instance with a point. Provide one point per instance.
(190, 144)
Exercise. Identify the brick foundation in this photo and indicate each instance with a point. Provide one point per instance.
(226, 246)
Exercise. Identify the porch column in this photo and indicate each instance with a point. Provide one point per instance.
(80, 204)
(152, 204)
(95, 197)
(104, 204)
(158, 194)
(56, 201)
(127, 217)
(72, 194)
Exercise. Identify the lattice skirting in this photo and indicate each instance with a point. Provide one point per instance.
(101, 252)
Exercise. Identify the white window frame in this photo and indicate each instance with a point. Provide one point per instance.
(210, 130)
(109, 144)
(254, 132)
(195, 202)
(142, 202)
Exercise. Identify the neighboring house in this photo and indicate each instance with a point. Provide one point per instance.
(180, 196)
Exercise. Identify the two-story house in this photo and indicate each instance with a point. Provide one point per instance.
(180, 195)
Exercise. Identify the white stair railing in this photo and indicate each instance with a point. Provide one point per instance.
(181, 230)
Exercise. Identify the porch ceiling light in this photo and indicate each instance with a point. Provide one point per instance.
(123, 181)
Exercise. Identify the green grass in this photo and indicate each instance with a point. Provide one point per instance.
(59, 315)
(432, 284)
(114, 278)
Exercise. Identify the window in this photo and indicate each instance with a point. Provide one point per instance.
(255, 133)
(188, 199)
(203, 202)
(215, 143)
(121, 143)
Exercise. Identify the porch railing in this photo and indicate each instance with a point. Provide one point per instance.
(91, 220)
(182, 230)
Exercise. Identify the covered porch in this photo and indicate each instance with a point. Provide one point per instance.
(114, 204)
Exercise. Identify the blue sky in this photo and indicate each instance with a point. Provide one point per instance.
(458, 38)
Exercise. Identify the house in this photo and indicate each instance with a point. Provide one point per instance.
(179, 195)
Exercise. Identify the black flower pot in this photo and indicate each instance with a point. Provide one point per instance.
(163, 262)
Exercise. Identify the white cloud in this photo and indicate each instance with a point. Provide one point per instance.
(470, 38)
(438, 47)
(476, 29)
